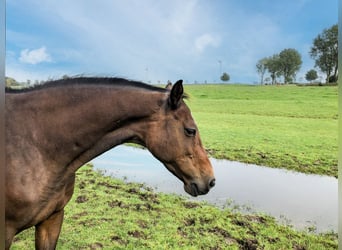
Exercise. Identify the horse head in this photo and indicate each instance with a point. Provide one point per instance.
(175, 141)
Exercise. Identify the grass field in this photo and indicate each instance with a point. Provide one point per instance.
(277, 126)
(105, 213)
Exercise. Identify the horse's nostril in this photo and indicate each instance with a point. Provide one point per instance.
(212, 183)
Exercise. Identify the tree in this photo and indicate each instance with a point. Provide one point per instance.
(273, 67)
(11, 82)
(287, 63)
(225, 77)
(325, 52)
(311, 75)
(290, 62)
(261, 69)
(267, 80)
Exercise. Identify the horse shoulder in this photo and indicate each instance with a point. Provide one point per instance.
(32, 194)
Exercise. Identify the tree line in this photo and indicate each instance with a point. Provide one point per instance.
(13, 83)
(288, 62)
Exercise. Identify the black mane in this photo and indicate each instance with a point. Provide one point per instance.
(87, 81)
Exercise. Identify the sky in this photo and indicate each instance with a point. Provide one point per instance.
(159, 40)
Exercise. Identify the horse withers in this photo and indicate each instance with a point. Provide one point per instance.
(55, 128)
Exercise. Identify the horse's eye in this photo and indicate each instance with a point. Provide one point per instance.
(190, 131)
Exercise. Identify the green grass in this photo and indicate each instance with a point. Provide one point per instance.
(277, 126)
(105, 213)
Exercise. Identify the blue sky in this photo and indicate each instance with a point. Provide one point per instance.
(151, 40)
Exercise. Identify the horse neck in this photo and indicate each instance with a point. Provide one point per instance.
(77, 124)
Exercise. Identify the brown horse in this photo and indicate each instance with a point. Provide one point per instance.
(54, 129)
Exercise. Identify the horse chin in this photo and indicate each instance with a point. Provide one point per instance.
(193, 190)
(190, 187)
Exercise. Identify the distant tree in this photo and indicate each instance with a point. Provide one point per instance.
(290, 62)
(333, 78)
(225, 77)
(311, 75)
(11, 82)
(273, 67)
(261, 69)
(267, 80)
(325, 52)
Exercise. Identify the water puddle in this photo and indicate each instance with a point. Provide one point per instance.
(294, 198)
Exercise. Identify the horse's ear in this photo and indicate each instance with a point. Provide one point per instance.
(168, 85)
(176, 94)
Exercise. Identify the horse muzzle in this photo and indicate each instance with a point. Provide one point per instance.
(194, 189)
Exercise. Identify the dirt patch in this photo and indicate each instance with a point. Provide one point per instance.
(273, 240)
(240, 223)
(96, 245)
(118, 239)
(190, 222)
(87, 223)
(133, 191)
(79, 215)
(105, 184)
(206, 220)
(142, 224)
(149, 197)
(298, 247)
(117, 203)
(82, 185)
(106, 219)
(248, 244)
(190, 204)
(255, 218)
(141, 207)
(137, 234)
(245, 224)
(221, 231)
(226, 235)
(181, 232)
(81, 199)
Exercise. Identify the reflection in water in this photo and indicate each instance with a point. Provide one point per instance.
(304, 200)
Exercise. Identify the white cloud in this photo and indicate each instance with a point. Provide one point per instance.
(34, 56)
(206, 40)
(126, 40)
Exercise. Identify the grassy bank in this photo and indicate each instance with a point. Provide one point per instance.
(277, 126)
(105, 213)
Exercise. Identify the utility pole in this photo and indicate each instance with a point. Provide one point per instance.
(220, 68)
